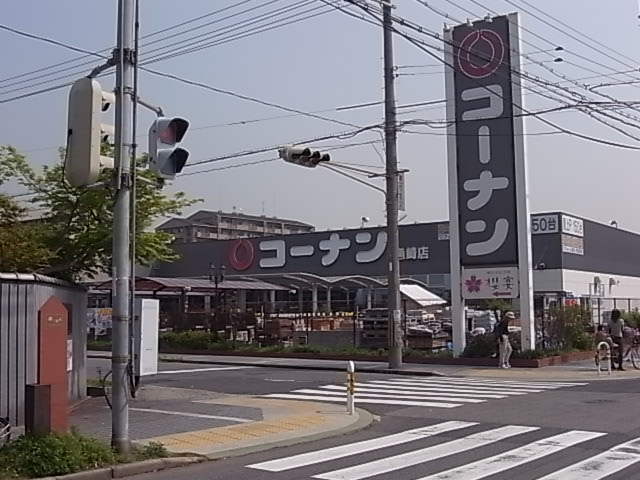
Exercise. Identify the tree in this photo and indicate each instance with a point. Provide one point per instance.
(75, 236)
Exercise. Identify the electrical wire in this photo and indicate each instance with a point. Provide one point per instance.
(246, 97)
(76, 72)
(157, 32)
(428, 49)
(552, 71)
(228, 167)
(564, 32)
(204, 37)
(547, 85)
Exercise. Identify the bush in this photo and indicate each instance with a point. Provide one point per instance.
(632, 319)
(481, 346)
(152, 450)
(47, 455)
(189, 340)
(568, 328)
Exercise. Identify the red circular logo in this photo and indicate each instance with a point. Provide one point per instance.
(480, 53)
(241, 254)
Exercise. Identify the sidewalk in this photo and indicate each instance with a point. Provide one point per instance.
(578, 371)
(216, 425)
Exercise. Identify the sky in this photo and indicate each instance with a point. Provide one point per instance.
(322, 63)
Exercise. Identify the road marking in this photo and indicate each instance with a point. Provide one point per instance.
(368, 393)
(194, 415)
(513, 458)
(341, 451)
(508, 383)
(602, 465)
(417, 390)
(473, 385)
(360, 399)
(454, 388)
(435, 452)
(196, 370)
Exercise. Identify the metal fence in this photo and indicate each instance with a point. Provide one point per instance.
(21, 296)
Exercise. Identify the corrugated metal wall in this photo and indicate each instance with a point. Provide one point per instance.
(19, 304)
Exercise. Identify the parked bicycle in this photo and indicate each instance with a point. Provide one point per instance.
(5, 431)
(631, 354)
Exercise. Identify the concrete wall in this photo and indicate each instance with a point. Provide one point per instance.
(21, 296)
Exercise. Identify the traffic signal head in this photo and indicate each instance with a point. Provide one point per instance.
(303, 156)
(86, 132)
(166, 158)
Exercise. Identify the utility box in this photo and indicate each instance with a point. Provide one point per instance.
(146, 322)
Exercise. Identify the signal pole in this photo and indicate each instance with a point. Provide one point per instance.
(395, 340)
(121, 272)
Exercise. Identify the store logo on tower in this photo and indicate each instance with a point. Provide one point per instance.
(480, 53)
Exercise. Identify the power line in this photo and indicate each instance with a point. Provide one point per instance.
(175, 45)
(228, 167)
(188, 82)
(426, 48)
(109, 48)
(246, 97)
(340, 135)
(547, 85)
(564, 32)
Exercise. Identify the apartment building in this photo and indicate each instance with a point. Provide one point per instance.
(206, 225)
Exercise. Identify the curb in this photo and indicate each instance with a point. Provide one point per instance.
(130, 469)
(365, 419)
(326, 368)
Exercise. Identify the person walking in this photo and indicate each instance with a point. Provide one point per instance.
(616, 330)
(503, 337)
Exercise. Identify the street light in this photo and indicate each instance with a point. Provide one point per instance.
(216, 277)
(363, 221)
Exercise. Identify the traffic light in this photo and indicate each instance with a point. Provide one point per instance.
(86, 132)
(166, 158)
(303, 156)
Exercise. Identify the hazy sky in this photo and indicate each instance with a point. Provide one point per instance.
(321, 63)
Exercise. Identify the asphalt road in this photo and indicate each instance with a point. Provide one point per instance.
(436, 428)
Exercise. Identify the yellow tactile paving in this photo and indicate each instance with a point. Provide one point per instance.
(238, 433)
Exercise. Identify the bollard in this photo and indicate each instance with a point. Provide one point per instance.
(607, 359)
(351, 386)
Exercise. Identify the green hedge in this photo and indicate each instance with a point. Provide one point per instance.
(43, 456)
(37, 456)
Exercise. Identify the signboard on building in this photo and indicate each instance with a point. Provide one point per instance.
(479, 283)
(571, 244)
(542, 224)
(326, 254)
(572, 226)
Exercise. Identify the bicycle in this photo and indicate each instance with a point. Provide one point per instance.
(5, 431)
(632, 353)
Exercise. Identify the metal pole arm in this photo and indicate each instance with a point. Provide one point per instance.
(354, 178)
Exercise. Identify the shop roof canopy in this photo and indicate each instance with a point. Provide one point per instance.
(203, 285)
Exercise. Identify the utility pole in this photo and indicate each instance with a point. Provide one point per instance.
(393, 242)
(121, 272)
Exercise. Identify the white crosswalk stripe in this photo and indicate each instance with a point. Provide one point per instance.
(429, 392)
(513, 458)
(341, 451)
(416, 457)
(600, 466)
(512, 441)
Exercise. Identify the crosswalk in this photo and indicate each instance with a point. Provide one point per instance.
(405, 455)
(431, 392)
